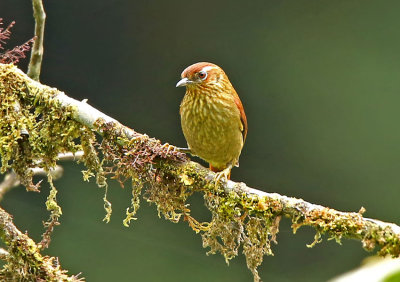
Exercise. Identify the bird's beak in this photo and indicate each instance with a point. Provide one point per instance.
(183, 82)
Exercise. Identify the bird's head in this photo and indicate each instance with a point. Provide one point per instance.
(203, 74)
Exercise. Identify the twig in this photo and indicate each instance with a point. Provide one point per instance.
(11, 179)
(70, 156)
(4, 254)
(35, 63)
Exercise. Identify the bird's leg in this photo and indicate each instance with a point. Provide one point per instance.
(225, 174)
(185, 150)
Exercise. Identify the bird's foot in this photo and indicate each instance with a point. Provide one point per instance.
(168, 147)
(224, 174)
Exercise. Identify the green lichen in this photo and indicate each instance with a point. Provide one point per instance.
(385, 238)
(338, 225)
(335, 224)
(135, 202)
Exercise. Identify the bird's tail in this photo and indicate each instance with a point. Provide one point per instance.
(218, 170)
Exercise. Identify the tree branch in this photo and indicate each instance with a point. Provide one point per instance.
(241, 214)
(11, 179)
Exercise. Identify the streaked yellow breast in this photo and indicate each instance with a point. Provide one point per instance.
(211, 124)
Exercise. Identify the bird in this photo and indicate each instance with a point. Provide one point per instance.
(212, 117)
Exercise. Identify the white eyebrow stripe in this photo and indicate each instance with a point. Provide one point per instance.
(207, 68)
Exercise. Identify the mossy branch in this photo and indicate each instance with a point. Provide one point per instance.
(241, 216)
(25, 261)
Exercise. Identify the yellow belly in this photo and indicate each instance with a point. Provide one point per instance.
(212, 129)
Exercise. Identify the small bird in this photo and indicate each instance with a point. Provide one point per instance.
(212, 117)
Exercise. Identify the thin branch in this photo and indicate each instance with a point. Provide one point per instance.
(4, 254)
(70, 156)
(11, 179)
(5, 33)
(35, 63)
(16, 53)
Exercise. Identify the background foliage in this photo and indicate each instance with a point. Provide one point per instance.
(319, 82)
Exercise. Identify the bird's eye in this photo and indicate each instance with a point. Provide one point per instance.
(202, 75)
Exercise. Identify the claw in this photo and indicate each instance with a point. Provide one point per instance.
(225, 174)
(168, 146)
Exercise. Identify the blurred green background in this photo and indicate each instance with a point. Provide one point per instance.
(320, 84)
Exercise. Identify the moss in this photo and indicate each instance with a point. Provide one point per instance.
(239, 219)
(328, 221)
(338, 225)
(385, 238)
(31, 132)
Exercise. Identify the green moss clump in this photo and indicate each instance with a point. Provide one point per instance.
(32, 133)
(239, 219)
(140, 158)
